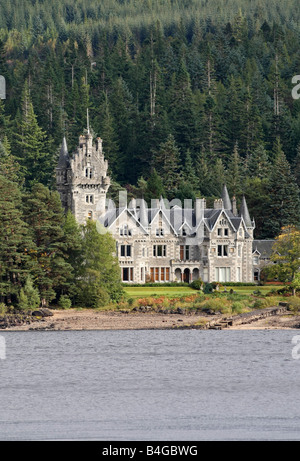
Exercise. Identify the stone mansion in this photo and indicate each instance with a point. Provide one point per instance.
(161, 241)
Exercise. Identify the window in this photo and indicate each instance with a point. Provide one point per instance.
(184, 252)
(125, 250)
(222, 250)
(127, 274)
(159, 232)
(159, 250)
(226, 232)
(160, 274)
(256, 275)
(223, 274)
(238, 274)
(256, 260)
(125, 231)
(220, 232)
(89, 173)
(89, 199)
(90, 215)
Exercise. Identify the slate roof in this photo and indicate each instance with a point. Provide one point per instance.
(264, 247)
(176, 216)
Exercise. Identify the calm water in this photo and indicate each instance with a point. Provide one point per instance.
(150, 385)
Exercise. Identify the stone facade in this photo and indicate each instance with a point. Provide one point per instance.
(163, 242)
(82, 180)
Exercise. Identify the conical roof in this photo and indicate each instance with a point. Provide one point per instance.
(244, 213)
(63, 160)
(143, 217)
(226, 199)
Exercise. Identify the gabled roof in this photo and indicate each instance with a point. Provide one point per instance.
(264, 247)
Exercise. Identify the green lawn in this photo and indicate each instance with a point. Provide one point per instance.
(174, 292)
(170, 292)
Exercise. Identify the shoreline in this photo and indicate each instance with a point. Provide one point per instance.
(89, 319)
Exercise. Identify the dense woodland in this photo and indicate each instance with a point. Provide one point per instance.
(187, 95)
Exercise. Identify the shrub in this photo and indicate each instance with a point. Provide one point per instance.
(197, 284)
(208, 288)
(237, 307)
(64, 302)
(266, 302)
(23, 304)
(294, 304)
(3, 309)
(217, 304)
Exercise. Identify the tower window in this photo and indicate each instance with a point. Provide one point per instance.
(89, 173)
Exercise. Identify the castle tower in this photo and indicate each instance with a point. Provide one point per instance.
(82, 180)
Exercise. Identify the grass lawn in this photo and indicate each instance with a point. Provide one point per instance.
(175, 292)
(170, 292)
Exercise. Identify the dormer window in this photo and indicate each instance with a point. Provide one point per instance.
(124, 231)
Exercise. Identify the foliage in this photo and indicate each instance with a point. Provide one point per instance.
(101, 281)
(64, 302)
(197, 284)
(286, 254)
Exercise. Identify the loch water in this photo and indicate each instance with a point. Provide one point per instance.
(143, 385)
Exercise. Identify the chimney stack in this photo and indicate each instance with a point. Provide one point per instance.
(218, 204)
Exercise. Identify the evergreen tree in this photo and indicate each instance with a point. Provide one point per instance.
(258, 163)
(110, 139)
(234, 173)
(154, 189)
(30, 145)
(283, 206)
(9, 166)
(166, 162)
(182, 109)
(44, 215)
(15, 243)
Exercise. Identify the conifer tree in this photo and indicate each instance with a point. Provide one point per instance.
(234, 173)
(30, 145)
(9, 166)
(154, 189)
(44, 215)
(182, 108)
(258, 163)
(166, 162)
(283, 207)
(15, 242)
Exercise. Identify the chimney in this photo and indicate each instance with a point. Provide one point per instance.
(200, 205)
(234, 208)
(218, 204)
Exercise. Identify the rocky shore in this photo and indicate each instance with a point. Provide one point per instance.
(89, 319)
